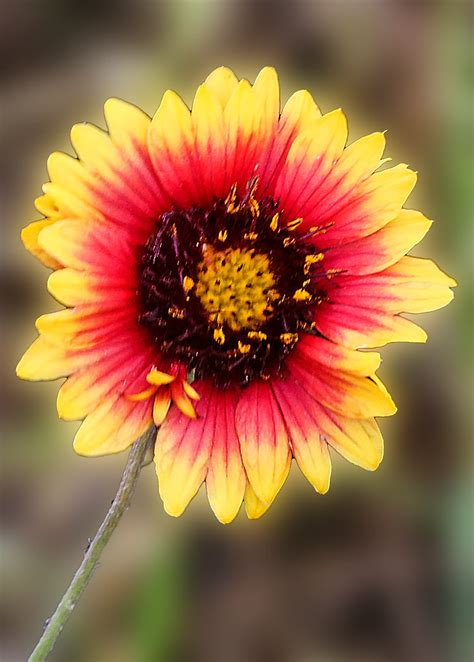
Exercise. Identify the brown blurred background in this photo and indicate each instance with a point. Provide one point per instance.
(380, 569)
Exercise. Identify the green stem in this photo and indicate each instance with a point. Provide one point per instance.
(83, 574)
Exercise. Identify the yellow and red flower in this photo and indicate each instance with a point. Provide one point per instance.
(221, 268)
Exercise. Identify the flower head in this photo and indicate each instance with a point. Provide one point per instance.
(221, 268)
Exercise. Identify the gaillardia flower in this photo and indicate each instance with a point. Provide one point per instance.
(221, 267)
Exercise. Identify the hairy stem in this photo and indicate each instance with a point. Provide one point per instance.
(83, 574)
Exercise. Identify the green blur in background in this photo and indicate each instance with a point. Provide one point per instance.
(378, 569)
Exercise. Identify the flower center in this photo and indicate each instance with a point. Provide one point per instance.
(236, 287)
(226, 290)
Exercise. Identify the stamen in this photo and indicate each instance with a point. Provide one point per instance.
(312, 259)
(292, 225)
(219, 336)
(254, 207)
(257, 335)
(176, 312)
(301, 295)
(316, 229)
(232, 208)
(289, 338)
(188, 283)
(243, 349)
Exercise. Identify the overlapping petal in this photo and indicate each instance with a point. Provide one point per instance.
(380, 249)
(121, 369)
(359, 327)
(313, 428)
(44, 361)
(363, 311)
(347, 393)
(412, 285)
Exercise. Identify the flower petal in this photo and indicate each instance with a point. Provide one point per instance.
(199, 155)
(90, 247)
(113, 178)
(358, 440)
(299, 112)
(73, 288)
(159, 378)
(307, 441)
(254, 507)
(358, 327)
(350, 395)
(241, 121)
(44, 361)
(348, 169)
(222, 82)
(263, 440)
(364, 209)
(113, 426)
(46, 205)
(87, 325)
(181, 398)
(310, 160)
(380, 249)
(121, 181)
(209, 131)
(171, 147)
(108, 371)
(266, 90)
(161, 405)
(29, 237)
(182, 451)
(412, 285)
(314, 349)
(128, 128)
(70, 175)
(225, 478)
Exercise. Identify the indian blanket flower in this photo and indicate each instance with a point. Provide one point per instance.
(221, 268)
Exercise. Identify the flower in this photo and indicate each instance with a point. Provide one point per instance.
(221, 269)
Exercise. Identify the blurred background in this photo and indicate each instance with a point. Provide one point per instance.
(379, 569)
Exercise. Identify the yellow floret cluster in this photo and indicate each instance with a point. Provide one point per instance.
(236, 287)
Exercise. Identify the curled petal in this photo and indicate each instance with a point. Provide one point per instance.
(314, 349)
(347, 394)
(161, 405)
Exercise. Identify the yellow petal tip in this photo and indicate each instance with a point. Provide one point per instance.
(173, 509)
(226, 517)
(21, 370)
